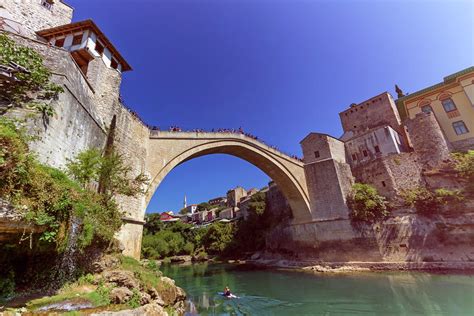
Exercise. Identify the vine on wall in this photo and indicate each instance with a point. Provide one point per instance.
(30, 86)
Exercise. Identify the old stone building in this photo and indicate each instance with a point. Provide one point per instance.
(380, 149)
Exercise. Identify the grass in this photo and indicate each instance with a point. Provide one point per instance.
(96, 295)
(148, 277)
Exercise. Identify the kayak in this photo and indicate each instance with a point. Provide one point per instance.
(228, 296)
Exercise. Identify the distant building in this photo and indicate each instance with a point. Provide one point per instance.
(451, 101)
(167, 217)
(191, 209)
(219, 201)
(234, 196)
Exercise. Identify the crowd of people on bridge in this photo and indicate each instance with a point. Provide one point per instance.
(176, 128)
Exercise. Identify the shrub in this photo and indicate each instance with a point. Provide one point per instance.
(48, 197)
(366, 204)
(428, 202)
(464, 165)
(33, 85)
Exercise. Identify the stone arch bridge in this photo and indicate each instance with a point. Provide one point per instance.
(167, 150)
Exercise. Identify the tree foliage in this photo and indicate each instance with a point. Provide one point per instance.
(429, 202)
(464, 165)
(48, 197)
(34, 87)
(366, 204)
(90, 166)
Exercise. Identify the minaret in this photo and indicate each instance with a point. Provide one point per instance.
(184, 203)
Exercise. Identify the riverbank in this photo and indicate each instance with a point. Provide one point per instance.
(334, 267)
(118, 285)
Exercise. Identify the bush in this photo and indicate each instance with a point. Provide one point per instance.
(50, 198)
(428, 202)
(464, 165)
(366, 204)
(33, 85)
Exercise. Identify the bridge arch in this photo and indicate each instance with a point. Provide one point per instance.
(167, 150)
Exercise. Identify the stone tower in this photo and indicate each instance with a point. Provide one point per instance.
(427, 139)
(328, 176)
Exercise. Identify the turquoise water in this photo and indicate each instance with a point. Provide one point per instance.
(278, 292)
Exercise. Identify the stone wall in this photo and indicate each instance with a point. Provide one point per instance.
(391, 174)
(401, 238)
(35, 17)
(329, 182)
(82, 117)
(75, 126)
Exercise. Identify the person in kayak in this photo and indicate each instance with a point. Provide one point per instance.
(227, 291)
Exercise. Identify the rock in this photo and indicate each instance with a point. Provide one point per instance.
(169, 292)
(121, 278)
(256, 256)
(180, 307)
(146, 310)
(177, 259)
(120, 295)
(106, 262)
(201, 256)
(155, 296)
(145, 298)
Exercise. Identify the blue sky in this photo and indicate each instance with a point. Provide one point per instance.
(278, 69)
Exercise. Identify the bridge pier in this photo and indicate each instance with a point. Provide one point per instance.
(328, 176)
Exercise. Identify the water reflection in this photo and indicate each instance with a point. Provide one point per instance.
(275, 292)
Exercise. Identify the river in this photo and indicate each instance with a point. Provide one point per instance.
(283, 292)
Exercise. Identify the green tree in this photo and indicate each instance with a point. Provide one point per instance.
(366, 204)
(85, 166)
(204, 206)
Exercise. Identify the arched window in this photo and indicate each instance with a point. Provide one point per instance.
(427, 108)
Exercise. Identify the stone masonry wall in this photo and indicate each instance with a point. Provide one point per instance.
(35, 17)
(391, 174)
(428, 139)
(329, 182)
(81, 122)
(75, 126)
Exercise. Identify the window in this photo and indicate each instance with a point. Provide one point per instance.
(59, 42)
(377, 149)
(448, 105)
(316, 154)
(354, 157)
(48, 4)
(365, 153)
(427, 108)
(99, 48)
(77, 39)
(114, 64)
(460, 128)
